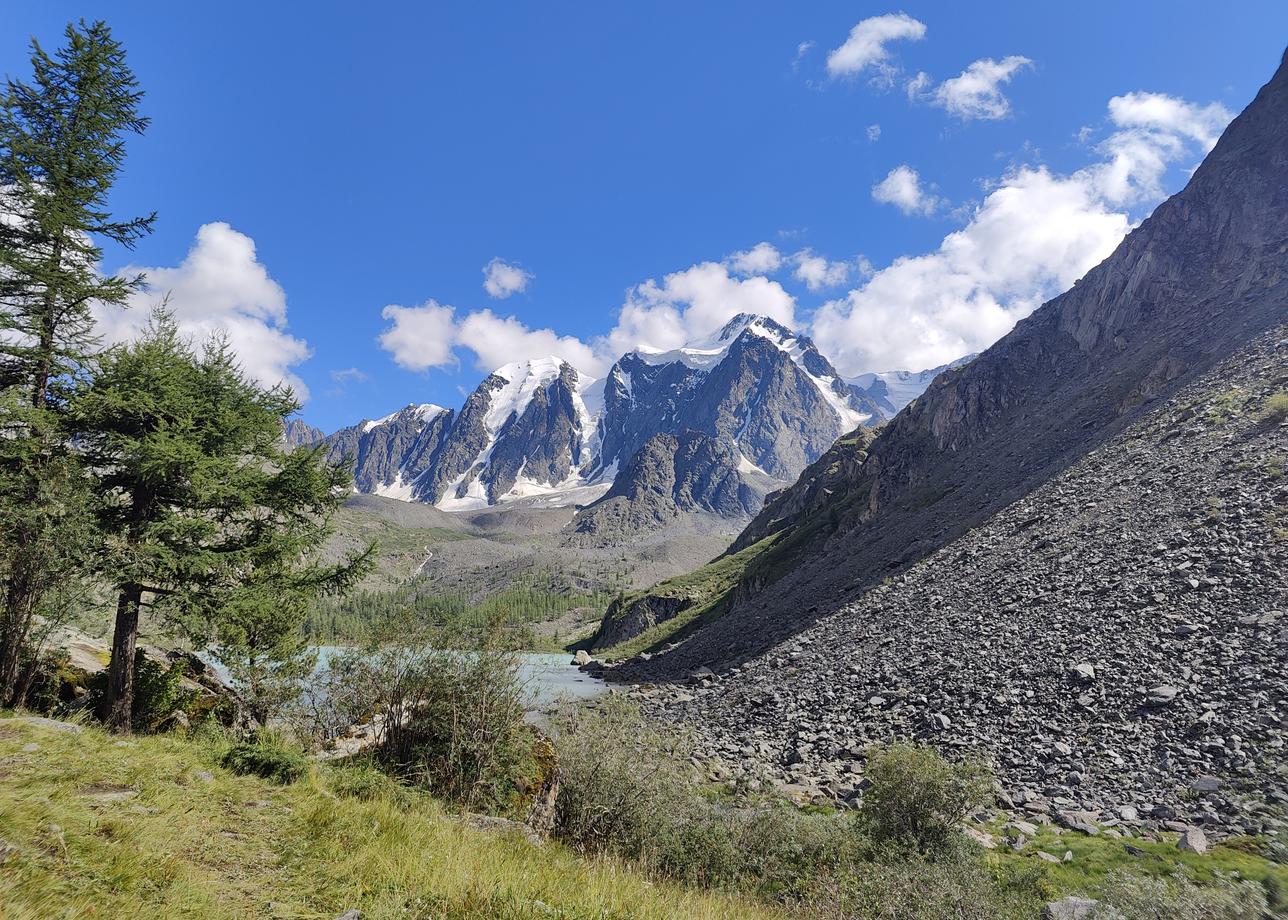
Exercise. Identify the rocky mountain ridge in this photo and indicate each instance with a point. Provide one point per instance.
(743, 411)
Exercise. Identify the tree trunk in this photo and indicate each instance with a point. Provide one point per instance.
(15, 622)
(48, 331)
(119, 708)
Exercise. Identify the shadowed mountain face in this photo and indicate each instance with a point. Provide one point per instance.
(1194, 283)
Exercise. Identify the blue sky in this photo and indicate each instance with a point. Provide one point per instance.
(353, 157)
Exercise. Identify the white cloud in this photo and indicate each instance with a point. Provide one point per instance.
(802, 49)
(349, 375)
(866, 46)
(874, 133)
(761, 259)
(420, 337)
(690, 304)
(219, 287)
(497, 340)
(1153, 131)
(1033, 235)
(977, 92)
(819, 273)
(902, 188)
(501, 279)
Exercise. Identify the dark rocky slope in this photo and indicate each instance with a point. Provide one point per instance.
(1195, 282)
(1116, 641)
(669, 476)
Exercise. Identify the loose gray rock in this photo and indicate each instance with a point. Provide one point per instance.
(1070, 908)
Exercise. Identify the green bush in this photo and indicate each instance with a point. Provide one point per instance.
(623, 785)
(454, 723)
(956, 885)
(1125, 896)
(158, 692)
(267, 756)
(917, 800)
(1275, 408)
(626, 787)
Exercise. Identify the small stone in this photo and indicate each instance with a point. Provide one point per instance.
(986, 840)
(1206, 784)
(351, 914)
(30, 748)
(1083, 670)
(1161, 695)
(1046, 857)
(1128, 814)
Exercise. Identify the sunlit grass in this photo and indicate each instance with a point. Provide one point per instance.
(197, 841)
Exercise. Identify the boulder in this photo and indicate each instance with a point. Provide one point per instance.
(582, 657)
(1193, 840)
(1070, 908)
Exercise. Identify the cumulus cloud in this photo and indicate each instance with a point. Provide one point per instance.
(866, 46)
(420, 337)
(902, 188)
(689, 304)
(1153, 131)
(497, 340)
(501, 279)
(974, 94)
(819, 273)
(220, 287)
(874, 133)
(1033, 235)
(761, 259)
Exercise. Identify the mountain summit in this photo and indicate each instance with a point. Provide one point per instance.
(748, 407)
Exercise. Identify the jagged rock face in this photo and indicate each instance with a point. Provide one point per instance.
(299, 434)
(544, 442)
(762, 393)
(666, 477)
(1196, 281)
(814, 494)
(891, 391)
(760, 397)
(389, 453)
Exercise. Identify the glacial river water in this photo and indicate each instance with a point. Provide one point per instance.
(547, 678)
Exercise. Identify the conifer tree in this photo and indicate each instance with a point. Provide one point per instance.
(209, 520)
(62, 144)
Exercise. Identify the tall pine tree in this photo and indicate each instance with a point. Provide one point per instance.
(62, 144)
(210, 521)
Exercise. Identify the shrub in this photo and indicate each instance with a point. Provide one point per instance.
(954, 886)
(918, 800)
(623, 782)
(454, 723)
(626, 787)
(267, 756)
(158, 692)
(1125, 896)
(1275, 408)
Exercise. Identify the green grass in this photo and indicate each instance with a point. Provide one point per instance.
(227, 846)
(1094, 857)
(708, 587)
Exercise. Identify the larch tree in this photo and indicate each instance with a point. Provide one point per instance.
(62, 145)
(209, 519)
